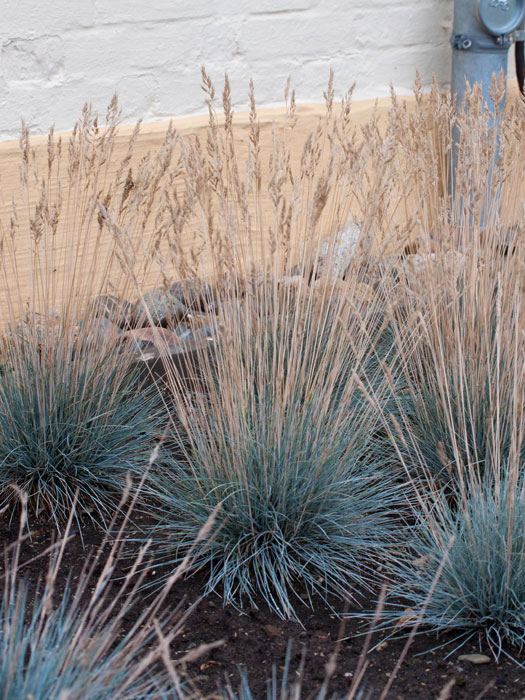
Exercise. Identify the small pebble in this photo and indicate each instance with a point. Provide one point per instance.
(475, 658)
(272, 631)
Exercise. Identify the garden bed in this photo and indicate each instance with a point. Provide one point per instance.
(257, 640)
(305, 369)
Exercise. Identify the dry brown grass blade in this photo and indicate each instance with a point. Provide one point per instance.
(446, 692)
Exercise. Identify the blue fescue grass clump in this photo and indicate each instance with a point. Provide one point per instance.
(48, 654)
(461, 346)
(460, 401)
(458, 431)
(73, 418)
(318, 514)
(72, 640)
(467, 575)
(279, 447)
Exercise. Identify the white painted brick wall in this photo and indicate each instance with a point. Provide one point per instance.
(57, 54)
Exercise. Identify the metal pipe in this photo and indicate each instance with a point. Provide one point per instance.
(476, 53)
(481, 37)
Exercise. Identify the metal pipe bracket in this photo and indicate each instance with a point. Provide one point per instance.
(481, 43)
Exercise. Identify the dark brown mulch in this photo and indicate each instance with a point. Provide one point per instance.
(258, 639)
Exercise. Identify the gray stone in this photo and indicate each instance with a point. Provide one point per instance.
(196, 295)
(338, 250)
(107, 328)
(115, 310)
(153, 337)
(184, 360)
(291, 281)
(334, 255)
(182, 331)
(160, 307)
(200, 333)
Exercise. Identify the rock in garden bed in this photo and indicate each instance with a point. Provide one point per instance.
(156, 347)
(334, 254)
(115, 310)
(159, 307)
(196, 295)
(168, 307)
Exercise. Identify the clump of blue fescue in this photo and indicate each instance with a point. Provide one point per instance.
(283, 450)
(72, 642)
(467, 575)
(74, 420)
(324, 516)
(49, 654)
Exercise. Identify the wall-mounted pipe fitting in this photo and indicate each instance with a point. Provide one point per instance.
(481, 37)
(482, 34)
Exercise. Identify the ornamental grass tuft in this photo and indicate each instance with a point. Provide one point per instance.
(458, 425)
(463, 400)
(74, 420)
(65, 640)
(459, 328)
(279, 443)
(74, 416)
(467, 575)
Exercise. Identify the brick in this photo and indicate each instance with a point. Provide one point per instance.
(28, 18)
(128, 48)
(109, 11)
(280, 6)
(39, 59)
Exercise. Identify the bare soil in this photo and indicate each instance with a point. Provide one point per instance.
(257, 639)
